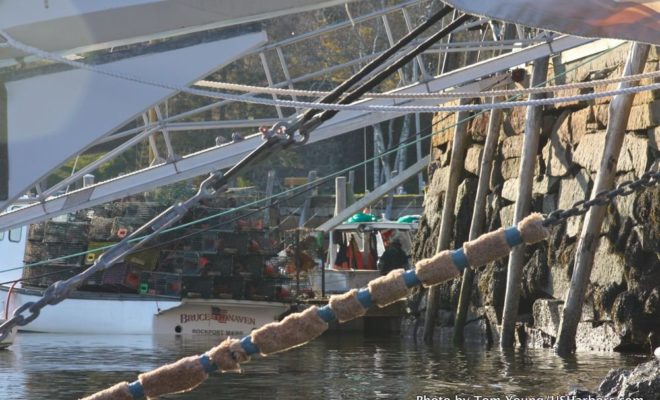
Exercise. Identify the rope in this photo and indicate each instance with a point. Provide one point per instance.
(300, 328)
(412, 140)
(308, 125)
(378, 61)
(329, 107)
(442, 95)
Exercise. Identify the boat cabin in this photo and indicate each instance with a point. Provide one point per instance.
(355, 248)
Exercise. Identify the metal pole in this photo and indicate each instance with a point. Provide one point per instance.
(375, 195)
(526, 178)
(377, 136)
(340, 204)
(297, 260)
(619, 111)
(340, 194)
(304, 213)
(446, 224)
(322, 278)
(151, 119)
(269, 78)
(418, 150)
(350, 187)
(478, 217)
(4, 144)
(270, 183)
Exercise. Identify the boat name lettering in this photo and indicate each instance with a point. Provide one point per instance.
(222, 316)
(215, 332)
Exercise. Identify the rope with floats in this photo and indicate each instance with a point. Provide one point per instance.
(280, 135)
(300, 328)
(322, 106)
(309, 185)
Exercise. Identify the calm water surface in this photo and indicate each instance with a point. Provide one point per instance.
(46, 366)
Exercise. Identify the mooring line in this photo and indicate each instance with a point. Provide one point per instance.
(300, 328)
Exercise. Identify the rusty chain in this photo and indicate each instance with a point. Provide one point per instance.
(650, 178)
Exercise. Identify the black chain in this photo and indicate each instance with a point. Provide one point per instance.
(276, 137)
(650, 178)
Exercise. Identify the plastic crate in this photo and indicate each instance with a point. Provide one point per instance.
(160, 284)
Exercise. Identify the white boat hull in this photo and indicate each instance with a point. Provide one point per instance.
(112, 314)
(341, 281)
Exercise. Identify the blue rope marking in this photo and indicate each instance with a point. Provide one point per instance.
(513, 237)
(364, 297)
(136, 389)
(460, 260)
(326, 313)
(207, 364)
(249, 347)
(410, 277)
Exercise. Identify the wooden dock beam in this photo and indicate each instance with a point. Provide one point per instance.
(447, 222)
(523, 200)
(478, 217)
(619, 111)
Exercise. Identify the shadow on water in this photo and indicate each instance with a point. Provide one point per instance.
(40, 366)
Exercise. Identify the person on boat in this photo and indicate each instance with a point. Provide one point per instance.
(307, 263)
(394, 257)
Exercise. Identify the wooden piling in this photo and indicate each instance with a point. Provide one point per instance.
(446, 223)
(533, 124)
(619, 111)
(478, 217)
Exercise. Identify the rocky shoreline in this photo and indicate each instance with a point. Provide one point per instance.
(643, 382)
(622, 306)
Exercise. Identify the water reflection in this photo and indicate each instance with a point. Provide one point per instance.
(41, 366)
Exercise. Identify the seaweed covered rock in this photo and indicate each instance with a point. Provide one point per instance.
(642, 382)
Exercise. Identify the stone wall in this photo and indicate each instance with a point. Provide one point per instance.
(623, 301)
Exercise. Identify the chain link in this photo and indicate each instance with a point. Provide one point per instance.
(60, 290)
(281, 134)
(650, 178)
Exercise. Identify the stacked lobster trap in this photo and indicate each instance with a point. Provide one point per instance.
(225, 256)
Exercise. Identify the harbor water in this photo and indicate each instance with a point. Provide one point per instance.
(47, 366)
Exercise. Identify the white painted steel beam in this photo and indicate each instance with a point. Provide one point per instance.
(227, 155)
(53, 117)
(189, 166)
(372, 197)
(83, 25)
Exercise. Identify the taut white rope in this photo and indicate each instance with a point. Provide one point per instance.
(440, 95)
(322, 106)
